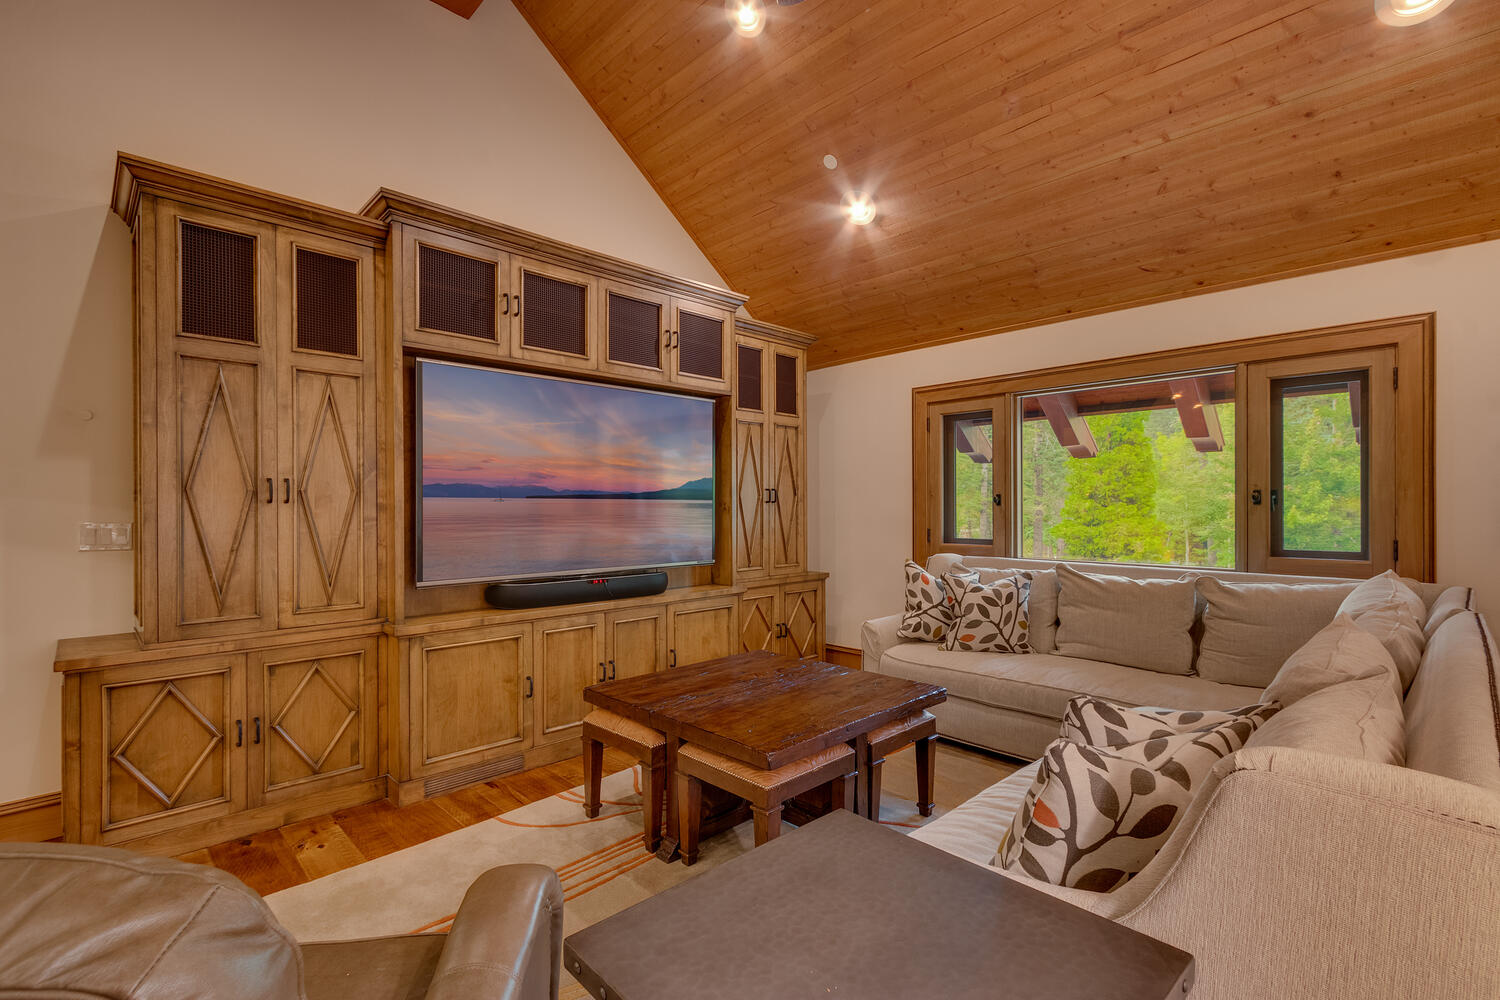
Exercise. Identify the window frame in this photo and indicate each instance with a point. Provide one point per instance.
(1409, 508)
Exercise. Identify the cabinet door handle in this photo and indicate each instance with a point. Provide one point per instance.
(529, 690)
(775, 495)
(286, 489)
(257, 731)
(768, 494)
(603, 673)
(611, 669)
(518, 305)
(671, 658)
(239, 732)
(270, 490)
(506, 297)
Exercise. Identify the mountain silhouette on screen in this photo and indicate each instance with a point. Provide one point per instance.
(697, 489)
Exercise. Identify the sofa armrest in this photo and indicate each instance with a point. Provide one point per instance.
(506, 941)
(1296, 873)
(876, 636)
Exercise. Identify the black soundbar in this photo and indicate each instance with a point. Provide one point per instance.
(549, 592)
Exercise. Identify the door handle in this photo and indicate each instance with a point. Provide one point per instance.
(768, 494)
(529, 689)
(286, 489)
(611, 669)
(518, 305)
(671, 658)
(257, 730)
(506, 297)
(270, 490)
(1275, 500)
(1255, 498)
(239, 732)
(603, 674)
(775, 495)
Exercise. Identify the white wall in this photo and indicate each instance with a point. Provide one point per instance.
(859, 457)
(326, 100)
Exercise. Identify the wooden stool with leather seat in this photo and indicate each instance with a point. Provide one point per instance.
(764, 790)
(920, 729)
(601, 728)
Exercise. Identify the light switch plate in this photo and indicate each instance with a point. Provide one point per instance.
(99, 536)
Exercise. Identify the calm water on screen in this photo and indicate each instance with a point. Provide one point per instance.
(477, 539)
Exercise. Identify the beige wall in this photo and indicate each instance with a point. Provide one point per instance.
(322, 99)
(860, 413)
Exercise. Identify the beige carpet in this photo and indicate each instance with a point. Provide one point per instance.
(602, 862)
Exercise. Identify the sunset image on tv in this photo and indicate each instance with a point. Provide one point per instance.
(525, 476)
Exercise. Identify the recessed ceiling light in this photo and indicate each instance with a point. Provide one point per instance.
(831, 162)
(859, 208)
(747, 16)
(1402, 12)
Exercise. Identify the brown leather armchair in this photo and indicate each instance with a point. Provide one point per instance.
(86, 922)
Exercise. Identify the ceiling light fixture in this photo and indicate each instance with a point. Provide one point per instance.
(747, 16)
(1403, 12)
(859, 208)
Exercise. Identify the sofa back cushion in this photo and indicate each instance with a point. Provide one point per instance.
(1449, 603)
(1453, 707)
(1341, 651)
(1249, 629)
(1136, 623)
(1359, 718)
(1387, 608)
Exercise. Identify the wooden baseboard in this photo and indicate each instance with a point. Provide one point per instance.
(844, 656)
(36, 818)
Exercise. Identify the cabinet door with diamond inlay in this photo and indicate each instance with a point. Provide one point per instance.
(218, 525)
(760, 617)
(752, 507)
(325, 493)
(311, 718)
(787, 529)
(802, 616)
(159, 747)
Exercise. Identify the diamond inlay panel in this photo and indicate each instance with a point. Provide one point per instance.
(217, 426)
(166, 746)
(315, 719)
(749, 512)
(328, 491)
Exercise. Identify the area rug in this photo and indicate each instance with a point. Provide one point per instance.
(602, 862)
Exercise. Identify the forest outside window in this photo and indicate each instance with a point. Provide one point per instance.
(1272, 455)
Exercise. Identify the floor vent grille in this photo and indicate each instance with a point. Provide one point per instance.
(473, 774)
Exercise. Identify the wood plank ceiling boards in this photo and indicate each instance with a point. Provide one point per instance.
(1033, 162)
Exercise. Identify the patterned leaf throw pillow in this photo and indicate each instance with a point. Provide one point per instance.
(1099, 723)
(929, 604)
(990, 617)
(1093, 817)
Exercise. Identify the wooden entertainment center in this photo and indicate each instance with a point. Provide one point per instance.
(285, 664)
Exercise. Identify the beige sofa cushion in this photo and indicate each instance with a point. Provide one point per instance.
(1042, 684)
(1449, 603)
(1391, 611)
(1453, 707)
(1342, 651)
(1359, 718)
(1136, 623)
(1249, 629)
(1380, 590)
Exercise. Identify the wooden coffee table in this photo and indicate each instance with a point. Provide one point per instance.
(762, 709)
(850, 909)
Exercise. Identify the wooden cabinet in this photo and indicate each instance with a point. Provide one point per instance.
(701, 630)
(313, 721)
(552, 315)
(569, 657)
(635, 641)
(454, 294)
(698, 351)
(770, 454)
(784, 618)
(470, 695)
(257, 413)
(636, 323)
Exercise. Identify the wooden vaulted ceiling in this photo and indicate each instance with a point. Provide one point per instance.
(1033, 162)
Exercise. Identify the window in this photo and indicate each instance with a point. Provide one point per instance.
(1275, 454)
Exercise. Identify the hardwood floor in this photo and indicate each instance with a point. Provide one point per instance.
(279, 859)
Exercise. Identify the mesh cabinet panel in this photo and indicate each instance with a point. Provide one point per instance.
(634, 331)
(553, 315)
(456, 294)
(327, 303)
(786, 384)
(700, 345)
(218, 283)
(747, 378)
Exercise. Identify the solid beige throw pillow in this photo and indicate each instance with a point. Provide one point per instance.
(1340, 652)
(1249, 629)
(1360, 718)
(1388, 609)
(1137, 623)
(1094, 817)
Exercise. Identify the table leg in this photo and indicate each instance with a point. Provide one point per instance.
(593, 773)
(667, 851)
(861, 746)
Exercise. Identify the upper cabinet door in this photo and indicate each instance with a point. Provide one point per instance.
(635, 322)
(214, 450)
(552, 315)
(325, 494)
(455, 294)
(700, 343)
(787, 376)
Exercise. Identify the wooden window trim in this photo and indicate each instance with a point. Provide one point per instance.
(1412, 337)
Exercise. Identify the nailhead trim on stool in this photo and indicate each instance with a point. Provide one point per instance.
(765, 779)
(633, 731)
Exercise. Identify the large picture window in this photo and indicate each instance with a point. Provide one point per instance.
(1275, 454)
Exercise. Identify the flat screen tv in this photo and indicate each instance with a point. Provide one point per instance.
(528, 477)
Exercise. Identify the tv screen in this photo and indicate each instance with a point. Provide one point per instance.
(531, 476)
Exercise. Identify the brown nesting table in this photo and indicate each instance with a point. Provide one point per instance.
(847, 908)
(760, 708)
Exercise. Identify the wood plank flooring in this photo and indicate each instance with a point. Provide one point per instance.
(279, 859)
